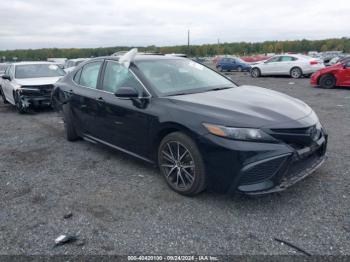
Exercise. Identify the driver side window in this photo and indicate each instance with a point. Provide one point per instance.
(117, 76)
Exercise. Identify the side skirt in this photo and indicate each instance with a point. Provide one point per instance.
(96, 140)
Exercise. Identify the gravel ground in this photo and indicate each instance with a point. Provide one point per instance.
(122, 206)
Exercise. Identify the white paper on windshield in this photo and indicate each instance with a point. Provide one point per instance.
(53, 67)
(195, 65)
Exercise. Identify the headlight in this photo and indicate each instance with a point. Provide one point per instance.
(246, 134)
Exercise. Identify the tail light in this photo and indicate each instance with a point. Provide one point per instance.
(313, 62)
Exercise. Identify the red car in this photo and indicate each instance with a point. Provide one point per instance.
(335, 75)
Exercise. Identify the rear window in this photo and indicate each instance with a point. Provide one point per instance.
(38, 70)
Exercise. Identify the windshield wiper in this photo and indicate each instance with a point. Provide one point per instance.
(218, 88)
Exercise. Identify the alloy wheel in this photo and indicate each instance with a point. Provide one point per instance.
(296, 73)
(178, 165)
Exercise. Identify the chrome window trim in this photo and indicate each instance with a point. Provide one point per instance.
(150, 96)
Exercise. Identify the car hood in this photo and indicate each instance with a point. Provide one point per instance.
(245, 106)
(37, 81)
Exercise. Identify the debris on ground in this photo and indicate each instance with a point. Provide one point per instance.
(68, 215)
(65, 239)
(293, 246)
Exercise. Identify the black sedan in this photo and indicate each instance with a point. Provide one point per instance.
(199, 127)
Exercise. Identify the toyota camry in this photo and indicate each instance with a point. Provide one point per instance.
(201, 129)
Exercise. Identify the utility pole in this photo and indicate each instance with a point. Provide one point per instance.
(188, 43)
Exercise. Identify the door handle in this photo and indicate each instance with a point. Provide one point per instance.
(100, 100)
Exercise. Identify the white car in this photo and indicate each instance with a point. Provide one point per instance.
(72, 63)
(293, 65)
(28, 84)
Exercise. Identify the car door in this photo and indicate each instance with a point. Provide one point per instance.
(285, 65)
(225, 64)
(84, 96)
(344, 75)
(123, 123)
(271, 66)
(232, 64)
(8, 85)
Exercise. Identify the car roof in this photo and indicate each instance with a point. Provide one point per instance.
(77, 59)
(141, 58)
(33, 63)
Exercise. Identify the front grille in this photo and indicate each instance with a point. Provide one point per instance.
(44, 90)
(298, 138)
(261, 171)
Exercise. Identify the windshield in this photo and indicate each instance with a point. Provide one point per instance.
(181, 76)
(38, 70)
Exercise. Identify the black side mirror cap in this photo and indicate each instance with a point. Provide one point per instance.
(126, 92)
(6, 77)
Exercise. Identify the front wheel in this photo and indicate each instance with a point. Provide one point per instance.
(70, 132)
(181, 164)
(3, 96)
(255, 72)
(219, 68)
(21, 108)
(328, 81)
(239, 69)
(296, 72)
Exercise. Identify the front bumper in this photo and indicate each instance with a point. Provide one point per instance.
(258, 168)
(294, 168)
(35, 98)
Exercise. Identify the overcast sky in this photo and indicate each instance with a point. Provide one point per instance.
(92, 23)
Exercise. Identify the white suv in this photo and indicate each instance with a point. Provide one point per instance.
(293, 65)
(29, 83)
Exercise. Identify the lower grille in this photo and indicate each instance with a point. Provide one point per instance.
(298, 166)
(261, 171)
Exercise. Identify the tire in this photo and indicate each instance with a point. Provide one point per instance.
(70, 132)
(328, 81)
(219, 68)
(296, 72)
(19, 104)
(239, 69)
(3, 96)
(181, 164)
(255, 72)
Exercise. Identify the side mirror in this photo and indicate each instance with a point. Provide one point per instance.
(126, 92)
(6, 77)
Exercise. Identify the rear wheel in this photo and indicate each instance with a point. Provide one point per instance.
(70, 132)
(239, 69)
(181, 164)
(328, 81)
(219, 68)
(255, 72)
(296, 72)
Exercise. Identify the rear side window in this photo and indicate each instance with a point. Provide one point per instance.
(89, 74)
(288, 58)
(117, 76)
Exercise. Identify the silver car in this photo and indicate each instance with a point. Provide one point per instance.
(292, 65)
(29, 84)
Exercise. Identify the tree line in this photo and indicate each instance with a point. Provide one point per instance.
(238, 48)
